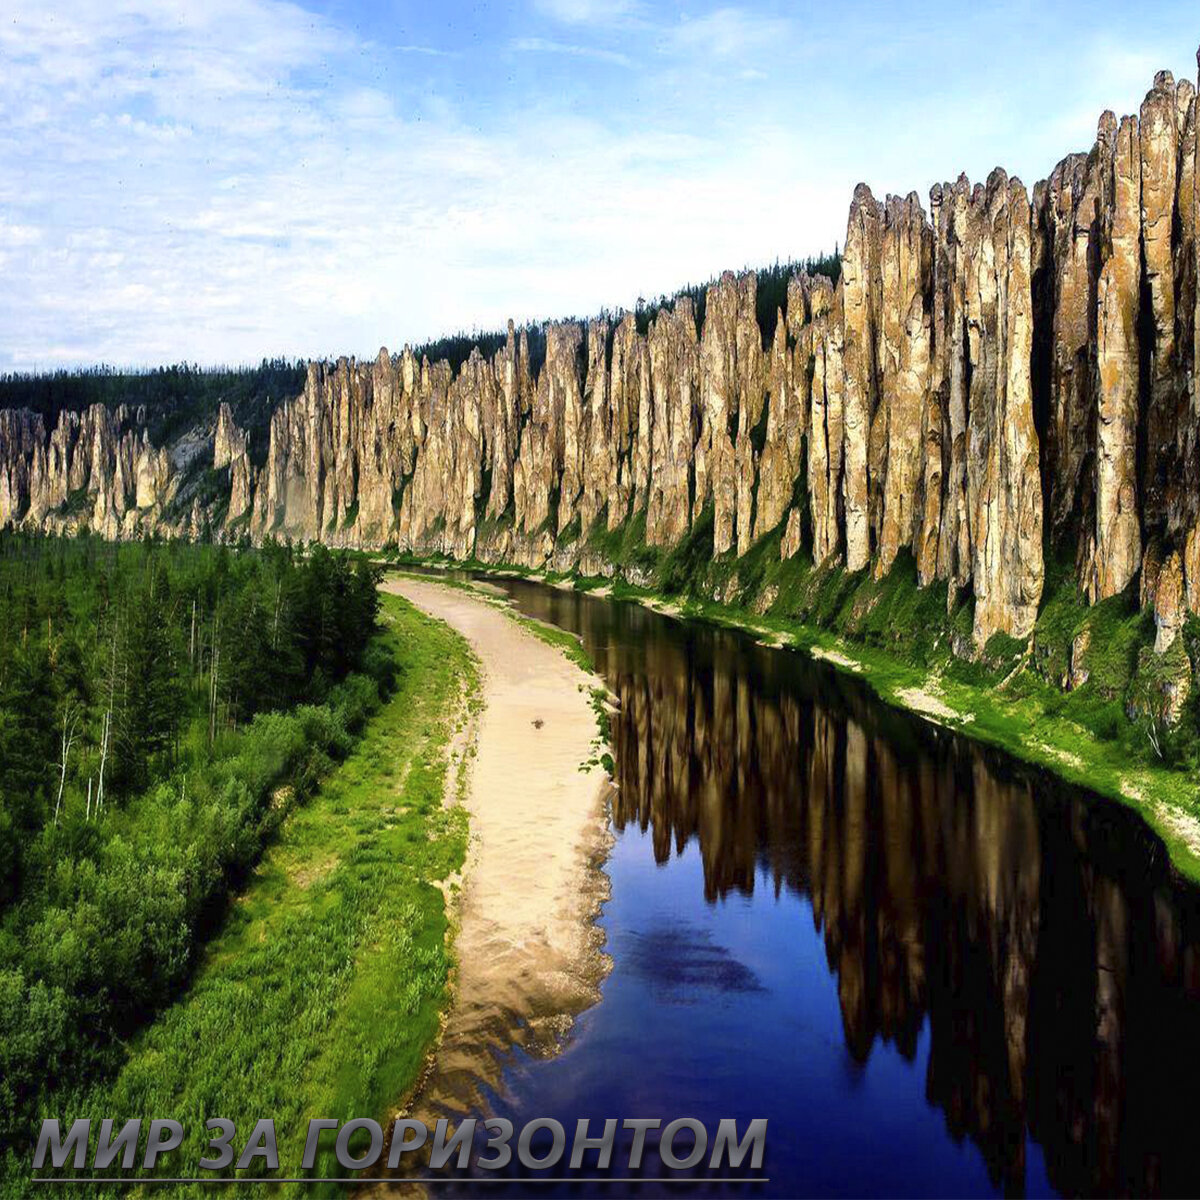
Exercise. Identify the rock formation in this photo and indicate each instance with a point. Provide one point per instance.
(1007, 374)
(1115, 546)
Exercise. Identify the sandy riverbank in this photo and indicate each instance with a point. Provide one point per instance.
(529, 953)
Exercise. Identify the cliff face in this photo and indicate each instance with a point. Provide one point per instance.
(95, 469)
(1002, 373)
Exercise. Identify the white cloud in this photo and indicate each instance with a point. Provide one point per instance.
(18, 235)
(728, 33)
(536, 45)
(220, 185)
(588, 12)
(430, 51)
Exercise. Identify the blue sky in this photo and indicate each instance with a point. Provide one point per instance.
(218, 180)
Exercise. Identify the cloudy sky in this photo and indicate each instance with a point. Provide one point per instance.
(219, 180)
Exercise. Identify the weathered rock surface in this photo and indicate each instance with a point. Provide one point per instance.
(1003, 484)
(826, 420)
(1168, 603)
(861, 303)
(1115, 547)
(1077, 668)
(1067, 250)
(1005, 373)
(96, 470)
(904, 376)
(1157, 138)
(668, 465)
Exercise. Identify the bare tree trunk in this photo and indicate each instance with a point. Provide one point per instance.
(88, 817)
(103, 760)
(70, 719)
(213, 681)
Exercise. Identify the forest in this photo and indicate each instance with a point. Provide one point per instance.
(163, 706)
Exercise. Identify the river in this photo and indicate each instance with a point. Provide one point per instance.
(935, 972)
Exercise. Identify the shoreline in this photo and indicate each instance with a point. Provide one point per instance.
(527, 950)
(1165, 798)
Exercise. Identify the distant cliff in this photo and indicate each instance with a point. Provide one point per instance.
(1003, 376)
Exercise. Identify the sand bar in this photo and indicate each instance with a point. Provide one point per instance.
(530, 955)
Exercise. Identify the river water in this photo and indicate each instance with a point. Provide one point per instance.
(935, 972)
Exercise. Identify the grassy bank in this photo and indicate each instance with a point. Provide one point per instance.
(1062, 700)
(322, 993)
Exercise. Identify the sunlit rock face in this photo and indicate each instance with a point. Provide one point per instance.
(1115, 546)
(668, 465)
(861, 302)
(96, 469)
(731, 400)
(1003, 486)
(994, 372)
(822, 350)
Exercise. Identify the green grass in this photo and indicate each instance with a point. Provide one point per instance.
(77, 502)
(560, 639)
(624, 546)
(321, 995)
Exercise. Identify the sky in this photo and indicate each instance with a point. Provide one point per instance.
(219, 181)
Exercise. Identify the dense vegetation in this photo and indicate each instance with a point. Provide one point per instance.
(180, 397)
(1089, 664)
(162, 706)
(321, 992)
(770, 292)
(456, 348)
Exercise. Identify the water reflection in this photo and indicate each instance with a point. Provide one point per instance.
(1039, 934)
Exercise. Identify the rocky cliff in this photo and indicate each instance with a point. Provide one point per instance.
(1004, 374)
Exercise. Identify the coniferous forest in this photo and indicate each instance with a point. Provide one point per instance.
(162, 707)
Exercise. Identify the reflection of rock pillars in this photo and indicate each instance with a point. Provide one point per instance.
(817, 801)
(1111, 972)
(944, 893)
(849, 926)
(1010, 874)
(901, 944)
(1167, 937)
